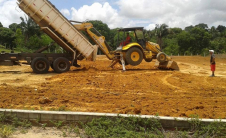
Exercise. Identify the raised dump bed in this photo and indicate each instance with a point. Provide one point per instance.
(54, 24)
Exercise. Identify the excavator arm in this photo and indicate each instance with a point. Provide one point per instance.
(96, 37)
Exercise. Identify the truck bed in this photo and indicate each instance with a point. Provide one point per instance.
(54, 24)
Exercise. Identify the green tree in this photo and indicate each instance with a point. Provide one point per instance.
(112, 42)
(202, 39)
(29, 28)
(219, 45)
(172, 46)
(6, 37)
(171, 42)
(34, 43)
(160, 32)
(194, 41)
(189, 28)
(202, 25)
(151, 36)
(185, 41)
(19, 40)
(221, 28)
(214, 32)
(14, 27)
(174, 32)
(47, 41)
(1, 24)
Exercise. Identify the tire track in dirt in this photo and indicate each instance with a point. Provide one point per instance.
(192, 69)
(164, 80)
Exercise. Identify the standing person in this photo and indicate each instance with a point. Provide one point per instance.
(212, 62)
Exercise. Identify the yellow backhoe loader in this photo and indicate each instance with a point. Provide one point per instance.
(132, 53)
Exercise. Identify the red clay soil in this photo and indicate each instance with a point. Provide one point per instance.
(140, 90)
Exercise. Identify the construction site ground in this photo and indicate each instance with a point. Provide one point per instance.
(142, 89)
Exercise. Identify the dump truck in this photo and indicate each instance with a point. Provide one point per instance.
(77, 46)
(55, 25)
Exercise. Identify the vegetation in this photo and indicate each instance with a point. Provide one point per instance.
(6, 131)
(27, 37)
(150, 127)
(125, 127)
(9, 123)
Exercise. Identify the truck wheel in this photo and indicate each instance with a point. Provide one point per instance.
(40, 65)
(61, 65)
(148, 59)
(134, 56)
(161, 57)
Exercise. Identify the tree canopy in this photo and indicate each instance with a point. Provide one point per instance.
(193, 39)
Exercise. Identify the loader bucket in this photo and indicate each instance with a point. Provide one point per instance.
(171, 65)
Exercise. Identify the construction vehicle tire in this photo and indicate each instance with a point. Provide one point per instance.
(148, 59)
(161, 57)
(61, 65)
(134, 56)
(40, 65)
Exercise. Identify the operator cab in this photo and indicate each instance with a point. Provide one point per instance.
(138, 35)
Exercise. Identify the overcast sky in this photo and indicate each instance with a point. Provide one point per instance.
(131, 13)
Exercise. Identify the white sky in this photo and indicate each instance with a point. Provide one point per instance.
(132, 13)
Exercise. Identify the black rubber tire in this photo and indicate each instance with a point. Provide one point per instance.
(161, 57)
(148, 59)
(134, 56)
(40, 65)
(61, 65)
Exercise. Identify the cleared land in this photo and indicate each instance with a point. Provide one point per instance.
(140, 90)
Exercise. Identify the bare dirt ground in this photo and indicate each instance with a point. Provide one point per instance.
(140, 90)
(48, 132)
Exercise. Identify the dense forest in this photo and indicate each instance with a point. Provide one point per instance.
(198, 39)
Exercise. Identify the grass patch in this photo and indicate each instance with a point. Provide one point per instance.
(9, 123)
(123, 127)
(6, 131)
(198, 128)
(134, 127)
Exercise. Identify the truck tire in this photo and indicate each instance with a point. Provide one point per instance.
(148, 59)
(134, 56)
(161, 57)
(40, 65)
(61, 65)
